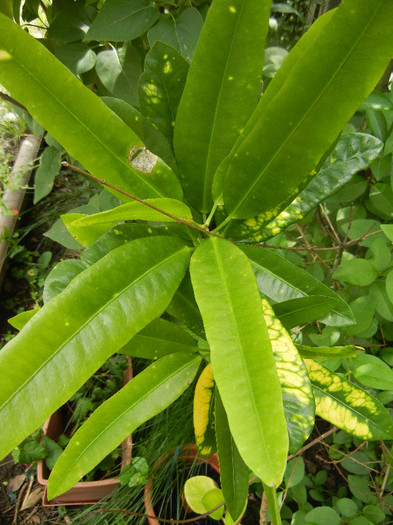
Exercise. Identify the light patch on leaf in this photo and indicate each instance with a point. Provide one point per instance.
(142, 159)
(167, 67)
(4, 55)
(203, 412)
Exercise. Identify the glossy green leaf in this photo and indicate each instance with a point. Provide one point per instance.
(203, 413)
(327, 352)
(180, 32)
(84, 236)
(19, 320)
(78, 57)
(234, 473)
(354, 270)
(242, 360)
(121, 20)
(6, 8)
(68, 339)
(82, 228)
(161, 86)
(119, 70)
(348, 406)
(152, 138)
(61, 276)
(184, 308)
(296, 388)
(292, 128)
(49, 168)
(372, 372)
(297, 312)
(143, 397)
(221, 92)
(323, 516)
(76, 117)
(352, 153)
(280, 280)
(158, 339)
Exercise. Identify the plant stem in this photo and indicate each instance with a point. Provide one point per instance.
(134, 197)
(7, 98)
(211, 215)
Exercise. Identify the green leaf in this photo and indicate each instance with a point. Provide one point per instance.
(159, 338)
(146, 395)
(355, 271)
(181, 32)
(61, 276)
(347, 507)
(241, 356)
(280, 280)
(70, 24)
(352, 153)
(49, 168)
(195, 491)
(119, 70)
(294, 472)
(184, 308)
(19, 321)
(121, 20)
(78, 57)
(348, 406)
(381, 200)
(297, 312)
(292, 128)
(152, 138)
(372, 372)
(363, 309)
(203, 413)
(76, 117)
(296, 388)
(161, 86)
(221, 92)
(6, 8)
(53, 450)
(234, 473)
(84, 236)
(88, 228)
(68, 339)
(327, 352)
(322, 516)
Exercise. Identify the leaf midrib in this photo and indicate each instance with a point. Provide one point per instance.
(77, 332)
(240, 346)
(303, 118)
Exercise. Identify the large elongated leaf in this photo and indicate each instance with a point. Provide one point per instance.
(76, 117)
(299, 407)
(348, 406)
(353, 152)
(281, 281)
(161, 86)
(234, 472)
(158, 339)
(142, 398)
(122, 20)
(242, 361)
(296, 312)
(88, 228)
(184, 307)
(293, 127)
(73, 334)
(221, 91)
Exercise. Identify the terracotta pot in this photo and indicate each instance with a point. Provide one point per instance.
(84, 492)
(190, 455)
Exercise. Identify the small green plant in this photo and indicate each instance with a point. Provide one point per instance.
(180, 280)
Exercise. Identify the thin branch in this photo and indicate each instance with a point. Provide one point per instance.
(134, 197)
(263, 510)
(7, 98)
